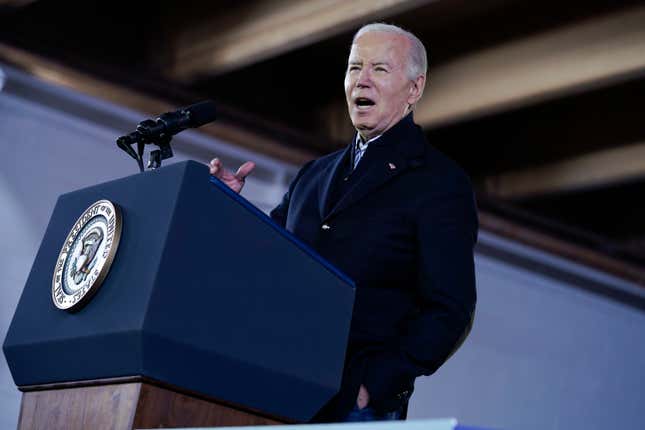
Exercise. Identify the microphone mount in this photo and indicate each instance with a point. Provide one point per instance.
(143, 136)
(159, 132)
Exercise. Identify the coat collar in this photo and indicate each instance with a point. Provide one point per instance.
(399, 149)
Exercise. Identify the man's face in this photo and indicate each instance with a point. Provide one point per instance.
(378, 88)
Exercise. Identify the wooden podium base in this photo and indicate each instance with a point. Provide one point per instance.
(125, 403)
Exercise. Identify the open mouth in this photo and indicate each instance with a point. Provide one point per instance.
(364, 102)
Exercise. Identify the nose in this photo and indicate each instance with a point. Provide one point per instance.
(364, 79)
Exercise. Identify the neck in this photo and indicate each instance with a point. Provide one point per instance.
(366, 137)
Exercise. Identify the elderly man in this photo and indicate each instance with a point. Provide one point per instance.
(395, 215)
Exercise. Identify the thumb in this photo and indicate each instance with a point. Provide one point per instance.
(245, 170)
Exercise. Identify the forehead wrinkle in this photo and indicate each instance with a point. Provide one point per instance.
(387, 52)
(387, 57)
(373, 63)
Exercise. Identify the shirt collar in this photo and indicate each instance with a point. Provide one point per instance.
(362, 145)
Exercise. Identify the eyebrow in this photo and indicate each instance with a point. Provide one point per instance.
(378, 63)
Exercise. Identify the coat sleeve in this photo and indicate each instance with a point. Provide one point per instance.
(446, 234)
(279, 213)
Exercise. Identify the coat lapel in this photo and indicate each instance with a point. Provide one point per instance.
(398, 150)
(327, 181)
(383, 167)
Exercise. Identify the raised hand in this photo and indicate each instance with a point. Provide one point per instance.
(235, 181)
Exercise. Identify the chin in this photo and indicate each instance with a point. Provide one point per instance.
(364, 129)
(362, 125)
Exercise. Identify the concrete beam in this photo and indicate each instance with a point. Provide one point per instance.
(16, 3)
(58, 74)
(266, 28)
(587, 171)
(593, 53)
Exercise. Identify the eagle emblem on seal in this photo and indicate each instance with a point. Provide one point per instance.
(87, 255)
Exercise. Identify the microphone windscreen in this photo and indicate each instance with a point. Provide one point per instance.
(202, 113)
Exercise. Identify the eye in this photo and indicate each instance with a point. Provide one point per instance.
(380, 69)
(353, 68)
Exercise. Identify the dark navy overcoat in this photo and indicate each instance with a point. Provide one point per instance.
(403, 226)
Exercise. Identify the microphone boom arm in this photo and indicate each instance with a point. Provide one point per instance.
(159, 132)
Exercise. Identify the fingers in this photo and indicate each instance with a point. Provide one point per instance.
(217, 169)
(245, 170)
(215, 166)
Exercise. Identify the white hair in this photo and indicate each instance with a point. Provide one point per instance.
(418, 61)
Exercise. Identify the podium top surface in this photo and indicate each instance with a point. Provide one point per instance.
(280, 230)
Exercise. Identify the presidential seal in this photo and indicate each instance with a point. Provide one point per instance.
(86, 256)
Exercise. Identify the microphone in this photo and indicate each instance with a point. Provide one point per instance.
(171, 123)
(159, 131)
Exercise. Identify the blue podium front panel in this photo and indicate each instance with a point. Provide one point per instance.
(205, 293)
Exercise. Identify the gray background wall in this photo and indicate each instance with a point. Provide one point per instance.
(543, 354)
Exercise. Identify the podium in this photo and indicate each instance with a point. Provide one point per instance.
(211, 315)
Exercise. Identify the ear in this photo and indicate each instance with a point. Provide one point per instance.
(416, 89)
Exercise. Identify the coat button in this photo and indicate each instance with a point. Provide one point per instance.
(326, 227)
(402, 395)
